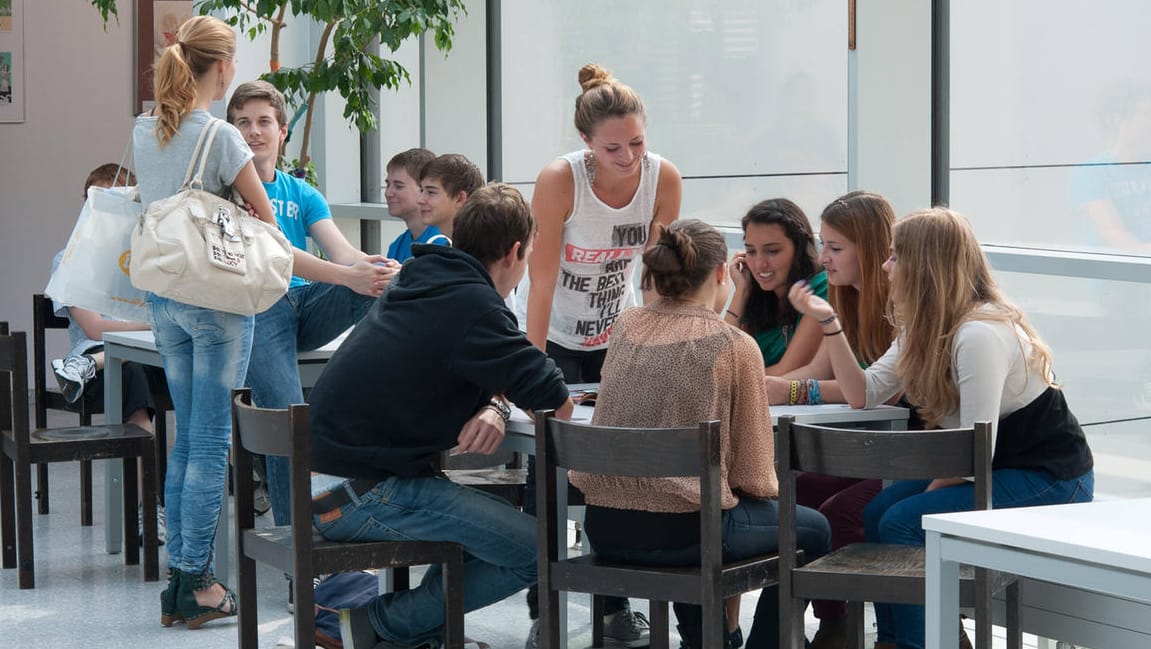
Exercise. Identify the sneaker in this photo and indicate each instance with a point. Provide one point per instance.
(161, 524)
(533, 641)
(292, 592)
(261, 503)
(626, 629)
(72, 373)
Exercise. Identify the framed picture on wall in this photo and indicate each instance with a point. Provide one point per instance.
(157, 22)
(12, 87)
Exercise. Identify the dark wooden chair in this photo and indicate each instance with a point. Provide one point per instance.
(23, 447)
(298, 549)
(649, 453)
(48, 397)
(874, 572)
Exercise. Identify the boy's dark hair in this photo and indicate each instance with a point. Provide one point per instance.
(491, 221)
(455, 172)
(110, 174)
(411, 161)
(259, 89)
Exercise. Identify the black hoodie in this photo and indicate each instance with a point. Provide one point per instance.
(427, 356)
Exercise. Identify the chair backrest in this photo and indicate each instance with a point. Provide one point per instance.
(14, 384)
(280, 432)
(631, 452)
(897, 455)
(43, 319)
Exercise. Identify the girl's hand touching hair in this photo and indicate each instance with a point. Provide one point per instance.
(740, 273)
(808, 303)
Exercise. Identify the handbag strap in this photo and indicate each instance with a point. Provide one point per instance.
(201, 153)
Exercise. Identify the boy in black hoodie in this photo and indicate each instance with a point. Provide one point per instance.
(426, 370)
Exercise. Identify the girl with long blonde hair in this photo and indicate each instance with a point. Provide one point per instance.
(963, 353)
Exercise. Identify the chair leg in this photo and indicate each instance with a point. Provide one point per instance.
(85, 493)
(148, 498)
(453, 577)
(304, 599)
(25, 560)
(42, 489)
(161, 444)
(659, 625)
(7, 512)
(855, 625)
(1014, 630)
(982, 609)
(597, 620)
(401, 579)
(131, 515)
(247, 606)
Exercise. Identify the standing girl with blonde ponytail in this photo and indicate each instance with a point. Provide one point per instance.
(205, 352)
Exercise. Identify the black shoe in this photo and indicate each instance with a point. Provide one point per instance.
(735, 639)
(832, 634)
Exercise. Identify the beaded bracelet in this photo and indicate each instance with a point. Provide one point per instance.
(794, 393)
(830, 320)
(814, 397)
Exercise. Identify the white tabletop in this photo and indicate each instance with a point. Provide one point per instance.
(1112, 532)
(144, 340)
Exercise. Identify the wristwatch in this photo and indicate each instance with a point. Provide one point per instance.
(501, 407)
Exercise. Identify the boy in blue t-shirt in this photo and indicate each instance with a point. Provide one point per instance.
(313, 313)
(402, 191)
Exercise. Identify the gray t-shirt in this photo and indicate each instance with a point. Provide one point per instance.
(160, 170)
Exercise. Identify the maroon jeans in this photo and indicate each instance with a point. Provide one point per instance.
(841, 501)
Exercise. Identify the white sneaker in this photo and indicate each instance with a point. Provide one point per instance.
(72, 373)
(626, 629)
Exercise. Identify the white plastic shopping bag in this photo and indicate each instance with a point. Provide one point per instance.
(93, 273)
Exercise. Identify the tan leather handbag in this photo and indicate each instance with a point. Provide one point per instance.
(200, 249)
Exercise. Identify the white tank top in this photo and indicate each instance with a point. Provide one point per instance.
(597, 259)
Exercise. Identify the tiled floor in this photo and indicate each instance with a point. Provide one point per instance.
(85, 597)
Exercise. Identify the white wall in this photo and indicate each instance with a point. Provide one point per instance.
(78, 114)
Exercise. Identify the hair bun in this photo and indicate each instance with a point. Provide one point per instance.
(593, 75)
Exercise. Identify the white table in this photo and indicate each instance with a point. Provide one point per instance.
(1102, 547)
(140, 346)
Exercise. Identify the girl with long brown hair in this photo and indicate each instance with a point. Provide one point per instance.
(963, 353)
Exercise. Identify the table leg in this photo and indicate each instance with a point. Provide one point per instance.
(113, 469)
(942, 597)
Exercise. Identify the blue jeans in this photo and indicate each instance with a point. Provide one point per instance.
(751, 528)
(205, 356)
(499, 548)
(308, 317)
(895, 516)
